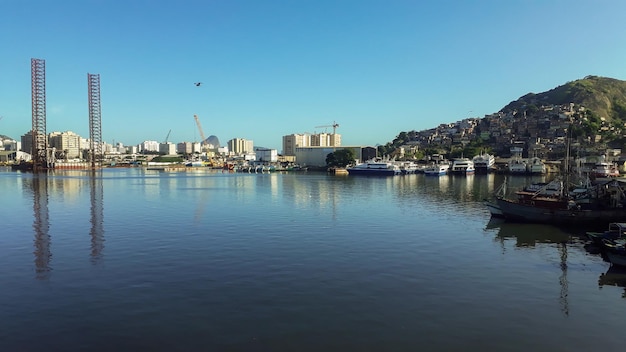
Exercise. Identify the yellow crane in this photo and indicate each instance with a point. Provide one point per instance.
(203, 143)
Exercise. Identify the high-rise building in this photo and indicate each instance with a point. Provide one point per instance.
(240, 146)
(293, 141)
(66, 142)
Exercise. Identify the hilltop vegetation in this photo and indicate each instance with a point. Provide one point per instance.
(604, 97)
(598, 109)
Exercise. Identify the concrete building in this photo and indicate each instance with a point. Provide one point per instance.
(293, 141)
(149, 146)
(168, 148)
(266, 155)
(316, 156)
(66, 142)
(239, 146)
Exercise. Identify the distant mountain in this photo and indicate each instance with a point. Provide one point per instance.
(605, 97)
(213, 140)
(5, 137)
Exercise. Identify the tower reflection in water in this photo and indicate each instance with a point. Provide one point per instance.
(97, 216)
(41, 225)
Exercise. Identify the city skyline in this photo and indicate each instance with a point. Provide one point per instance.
(269, 69)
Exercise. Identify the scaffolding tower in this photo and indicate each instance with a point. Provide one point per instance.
(41, 155)
(95, 120)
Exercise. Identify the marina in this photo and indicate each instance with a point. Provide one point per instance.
(130, 258)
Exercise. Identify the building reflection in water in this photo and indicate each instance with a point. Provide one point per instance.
(41, 225)
(97, 216)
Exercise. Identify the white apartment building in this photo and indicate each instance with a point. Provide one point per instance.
(293, 141)
(149, 146)
(168, 148)
(67, 142)
(266, 155)
(239, 146)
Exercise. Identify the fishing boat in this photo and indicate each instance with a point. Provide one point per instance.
(376, 166)
(614, 252)
(602, 202)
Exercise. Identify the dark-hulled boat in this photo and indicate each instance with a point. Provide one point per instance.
(602, 202)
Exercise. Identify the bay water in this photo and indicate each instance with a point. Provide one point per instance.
(204, 260)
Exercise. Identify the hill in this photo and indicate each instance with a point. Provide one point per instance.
(605, 97)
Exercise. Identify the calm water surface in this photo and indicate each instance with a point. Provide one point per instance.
(130, 259)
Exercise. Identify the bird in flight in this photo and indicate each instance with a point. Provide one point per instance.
(198, 84)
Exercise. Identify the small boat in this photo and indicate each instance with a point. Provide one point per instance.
(616, 230)
(613, 252)
(375, 166)
(462, 166)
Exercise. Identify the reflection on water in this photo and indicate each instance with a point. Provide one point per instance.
(529, 235)
(614, 276)
(97, 215)
(41, 225)
(210, 261)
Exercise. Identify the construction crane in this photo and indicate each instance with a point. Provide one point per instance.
(200, 130)
(334, 126)
(167, 137)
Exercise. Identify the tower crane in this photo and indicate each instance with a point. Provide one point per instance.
(168, 136)
(334, 126)
(200, 130)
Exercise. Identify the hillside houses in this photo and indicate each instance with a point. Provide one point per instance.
(542, 133)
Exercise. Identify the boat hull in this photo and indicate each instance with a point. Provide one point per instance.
(558, 214)
(373, 172)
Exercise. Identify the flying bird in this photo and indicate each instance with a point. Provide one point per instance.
(198, 84)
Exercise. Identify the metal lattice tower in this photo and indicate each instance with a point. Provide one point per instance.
(95, 120)
(38, 92)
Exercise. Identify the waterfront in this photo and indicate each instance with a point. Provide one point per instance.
(132, 259)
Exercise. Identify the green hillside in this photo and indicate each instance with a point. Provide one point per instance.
(605, 97)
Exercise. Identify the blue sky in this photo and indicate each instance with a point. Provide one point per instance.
(272, 68)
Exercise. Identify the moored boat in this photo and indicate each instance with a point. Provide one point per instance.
(375, 166)
(462, 166)
(600, 203)
(437, 169)
(484, 162)
(616, 230)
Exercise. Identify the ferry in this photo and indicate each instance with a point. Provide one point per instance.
(462, 166)
(484, 162)
(375, 166)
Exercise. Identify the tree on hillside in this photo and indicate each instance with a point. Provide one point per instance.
(340, 158)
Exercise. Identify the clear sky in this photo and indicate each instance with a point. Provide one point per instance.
(274, 67)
